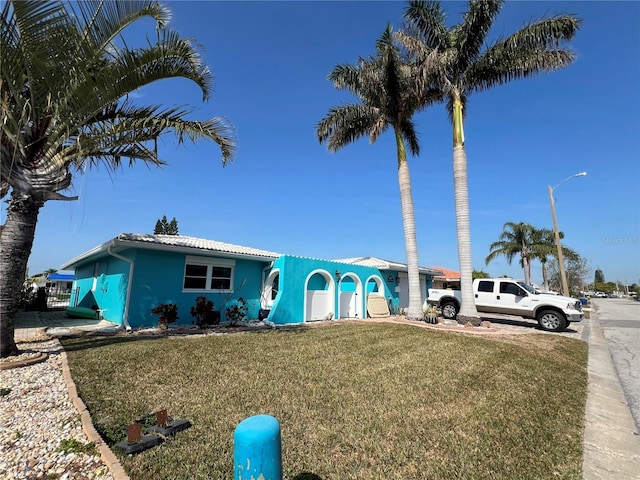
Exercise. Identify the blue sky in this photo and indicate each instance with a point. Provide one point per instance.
(286, 193)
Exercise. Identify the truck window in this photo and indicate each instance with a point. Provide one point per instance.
(512, 288)
(485, 286)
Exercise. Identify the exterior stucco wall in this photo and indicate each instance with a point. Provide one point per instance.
(102, 284)
(296, 273)
(159, 277)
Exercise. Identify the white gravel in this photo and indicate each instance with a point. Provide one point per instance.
(35, 417)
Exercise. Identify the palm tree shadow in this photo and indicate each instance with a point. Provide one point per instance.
(306, 476)
(84, 342)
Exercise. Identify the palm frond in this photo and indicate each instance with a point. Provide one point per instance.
(473, 30)
(64, 79)
(102, 22)
(531, 50)
(410, 135)
(347, 123)
(426, 20)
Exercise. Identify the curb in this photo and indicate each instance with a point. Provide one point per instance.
(108, 457)
(41, 357)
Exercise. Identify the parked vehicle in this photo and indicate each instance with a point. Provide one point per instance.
(507, 296)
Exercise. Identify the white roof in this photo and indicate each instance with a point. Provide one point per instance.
(381, 264)
(193, 242)
(179, 243)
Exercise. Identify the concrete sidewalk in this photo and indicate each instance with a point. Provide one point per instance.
(611, 442)
(32, 324)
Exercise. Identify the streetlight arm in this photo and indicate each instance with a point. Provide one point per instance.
(581, 174)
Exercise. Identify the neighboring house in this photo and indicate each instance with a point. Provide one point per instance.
(448, 279)
(59, 282)
(130, 274)
(54, 282)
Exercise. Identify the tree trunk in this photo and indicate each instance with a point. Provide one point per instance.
(527, 270)
(414, 311)
(545, 280)
(468, 310)
(16, 241)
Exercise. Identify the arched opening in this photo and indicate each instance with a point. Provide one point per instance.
(270, 290)
(350, 296)
(375, 286)
(377, 305)
(319, 296)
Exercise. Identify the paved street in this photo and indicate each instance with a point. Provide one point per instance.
(620, 322)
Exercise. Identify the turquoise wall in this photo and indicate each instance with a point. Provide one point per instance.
(159, 276)
(110, 290)
(289, 304)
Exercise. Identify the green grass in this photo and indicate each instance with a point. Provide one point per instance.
(355, 401)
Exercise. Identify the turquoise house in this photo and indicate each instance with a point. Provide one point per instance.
(125, 277)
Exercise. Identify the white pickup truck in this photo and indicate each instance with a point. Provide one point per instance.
(508, 296)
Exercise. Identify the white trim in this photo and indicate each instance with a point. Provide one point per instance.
(358, 293)
(331, 284)
(209, 262)
(218, 262)
(267, 289)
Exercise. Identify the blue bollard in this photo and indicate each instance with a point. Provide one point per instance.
(257, 451)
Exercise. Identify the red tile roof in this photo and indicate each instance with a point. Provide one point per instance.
(448, 274)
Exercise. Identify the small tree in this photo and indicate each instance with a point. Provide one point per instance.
(203, 312)
(599, 276)
(237, 312)
(576, 270)
(164, 227)
(479, 274)
(167, 313)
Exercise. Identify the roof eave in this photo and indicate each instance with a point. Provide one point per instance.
(126, 244)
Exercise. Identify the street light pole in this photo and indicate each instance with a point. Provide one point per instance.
(563, 274)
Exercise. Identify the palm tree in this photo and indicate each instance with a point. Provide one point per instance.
(515, 239)
(468, 66)
(544, 246)
(66, 77)
(389, 96)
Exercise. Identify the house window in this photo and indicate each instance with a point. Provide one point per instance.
(208, 274)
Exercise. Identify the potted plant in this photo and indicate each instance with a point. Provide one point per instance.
(237, 312)
(204, 313)
(167, 313)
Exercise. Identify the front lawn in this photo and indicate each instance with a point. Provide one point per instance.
(354, 400)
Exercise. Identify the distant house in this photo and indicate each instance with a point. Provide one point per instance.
(130, 274)
(55, 283)
(60, 282)
(448, 279)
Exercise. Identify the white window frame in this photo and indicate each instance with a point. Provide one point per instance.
(210, 263)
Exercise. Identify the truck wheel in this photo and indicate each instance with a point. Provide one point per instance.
(551, 321)
(449, 310)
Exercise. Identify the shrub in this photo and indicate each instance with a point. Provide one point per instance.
(167, 313)
(237, 312)
(203, 312)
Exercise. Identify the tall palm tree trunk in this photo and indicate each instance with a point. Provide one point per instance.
(545, 280)
(16, 241)
(468, 310)
(414, 311)
(526, 266)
